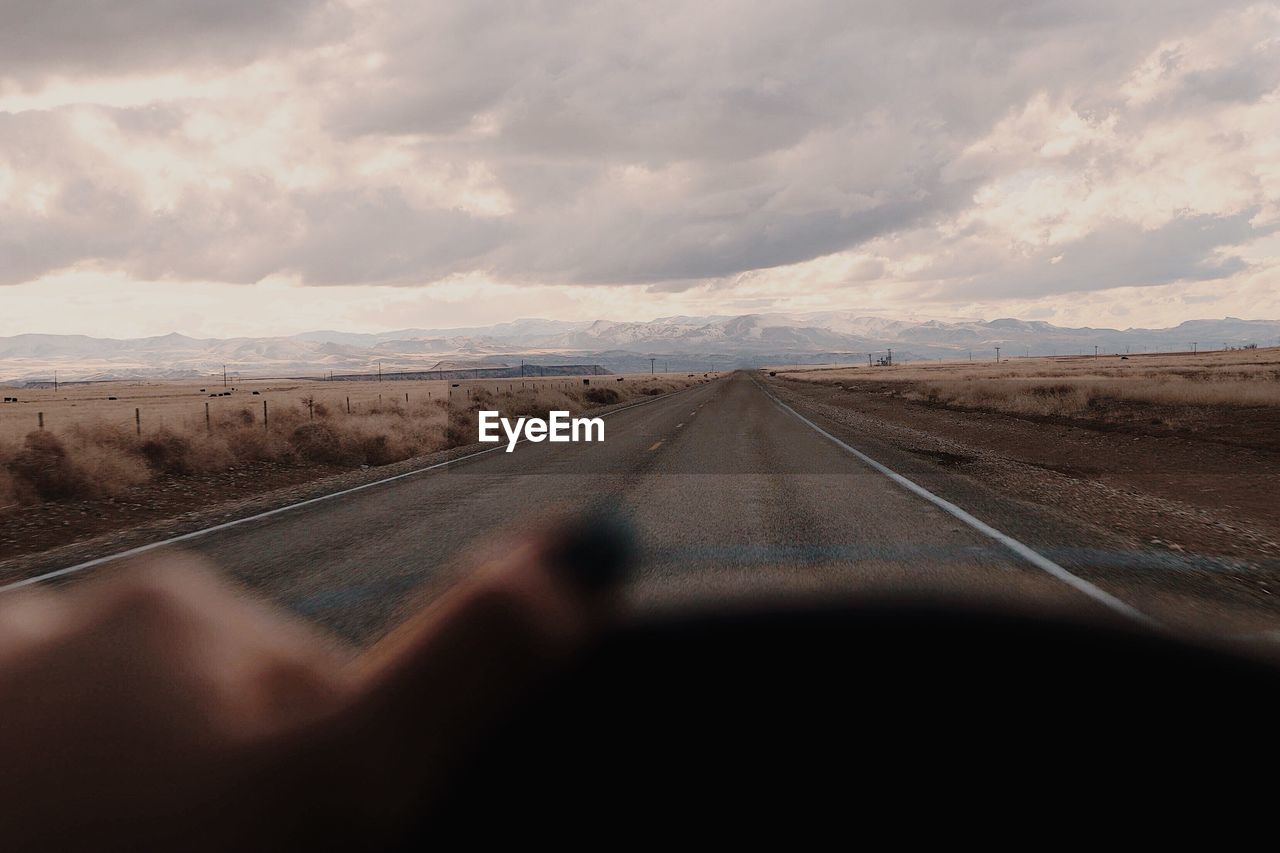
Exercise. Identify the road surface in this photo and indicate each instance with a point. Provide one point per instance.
(731, 494)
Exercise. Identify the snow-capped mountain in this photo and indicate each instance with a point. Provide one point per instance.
(681, 342)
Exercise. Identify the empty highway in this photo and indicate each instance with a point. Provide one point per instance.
(731, 494)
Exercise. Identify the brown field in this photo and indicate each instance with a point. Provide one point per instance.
(92, 446)
(1078, 387)
(1178, 451)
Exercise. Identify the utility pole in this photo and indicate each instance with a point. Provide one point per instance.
(997, 355)
(651, 361)
(889, 360)
(1095, 350)
(522, 368)
(379, 371)
(55, 381)
(1194, 344)
(224, 376)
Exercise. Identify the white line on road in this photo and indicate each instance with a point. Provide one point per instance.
(204, 531)
(1025, 552)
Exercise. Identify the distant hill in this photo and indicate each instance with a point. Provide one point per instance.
(680, 343)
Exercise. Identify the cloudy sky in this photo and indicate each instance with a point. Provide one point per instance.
(255, 168)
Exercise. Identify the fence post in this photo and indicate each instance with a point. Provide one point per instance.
(311, 407)
(406, 398)
(40, 419)
(208, 425)
(264, 414)
(348, 405)
(137, 420)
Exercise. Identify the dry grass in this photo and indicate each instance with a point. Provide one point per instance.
(176, 404)
(1075, 387)
(99, 457)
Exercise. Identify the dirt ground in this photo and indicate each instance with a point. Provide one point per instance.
(1210, 486)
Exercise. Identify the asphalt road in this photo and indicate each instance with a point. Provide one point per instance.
(730, 494)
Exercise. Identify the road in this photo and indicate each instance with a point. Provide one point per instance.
(741, 487)
(731, 495)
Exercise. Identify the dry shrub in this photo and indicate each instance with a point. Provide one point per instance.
(45, 468)
(320, 442)
(1060, 389)
(254, 444)
(463, 427)
(8, 493)
(1007, 395)
(393, 437)
(379, 450)
(540, 403)
(528, 407)
(383, 449)
(601, 396)
(1074, 397)
(98, 459)
(168, 452)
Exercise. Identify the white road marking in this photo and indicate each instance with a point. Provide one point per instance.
(204, 531)
(1025, 552)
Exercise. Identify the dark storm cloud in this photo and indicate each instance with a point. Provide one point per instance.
(1119, 254)
(380, 236)
(39, 38)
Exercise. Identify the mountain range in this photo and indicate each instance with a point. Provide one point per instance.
(680, 343)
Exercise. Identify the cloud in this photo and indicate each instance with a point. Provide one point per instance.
(381, 237)
(1118, 254)
(961, 154)
(45, 38)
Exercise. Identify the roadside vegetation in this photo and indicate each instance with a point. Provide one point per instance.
(1180, 388)
(91, 460)
(1079, 397)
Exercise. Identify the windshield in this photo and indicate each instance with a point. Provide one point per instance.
(356, 350)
